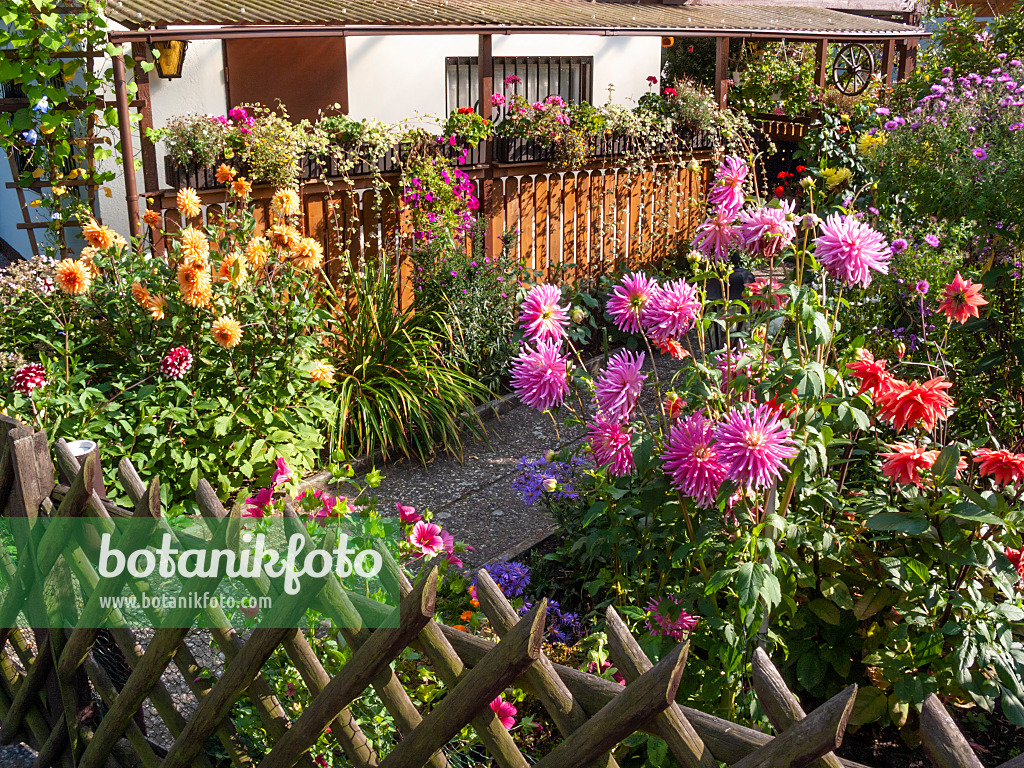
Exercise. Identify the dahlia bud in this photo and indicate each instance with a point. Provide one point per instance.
(674, 405)
(860, 353)
(693, 166)
(693, 257)
(28, 377)
(901, 350)
(577, 315)
(807, 182)
(176, 363)
(810, 221)
(549, 484)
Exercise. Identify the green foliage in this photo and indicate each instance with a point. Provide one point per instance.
(776, 78)
(467, 127)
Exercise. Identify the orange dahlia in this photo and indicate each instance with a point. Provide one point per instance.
(72, 277)
(226, 331)
(962, 300)
(870, 372)
(322, 372)
(157, 307)
(225, 173)
(283, 236)
(240, 188)
(257, 252)
(152, 218)
(195, 284)
(194, 245)
(285, 202)
(141, 294)
(85, 258)
(308, 254)
(906, 462)
(1002, 466)
(97, 235)
(231, 269)
(906, 404)
(189, 202)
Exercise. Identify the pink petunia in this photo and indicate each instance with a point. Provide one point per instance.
(256, 506)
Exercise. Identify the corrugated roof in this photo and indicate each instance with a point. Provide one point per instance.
(513, 15)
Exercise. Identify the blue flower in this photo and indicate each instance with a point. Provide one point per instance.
(30, 136)
(43, 105)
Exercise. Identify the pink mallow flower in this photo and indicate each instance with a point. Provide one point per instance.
(448, 544)
(768, 231)
(426, 538)
(691, 459)
(672, 311)
(407, 514)
(505, 712)
(849, 250)
(753, 444)
(629, 301)
(540, 376)
(727, 193)
(542, 317)
(610, 442)
(618, 387)
(282, 474)
(256, 506)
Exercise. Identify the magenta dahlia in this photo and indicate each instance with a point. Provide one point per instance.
(768, 231)
(669, 619)
(672, 311)
(28, 377)
(540, 376)
(610, 442)
(618, 387)
(176, 363)
(542, 317)
(629, 300)
(753, 443)
(716, 235)
(848, 249)
(691, 459)
(727, 193)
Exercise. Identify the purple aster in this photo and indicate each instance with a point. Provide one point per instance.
(979, 153)
(691, 461)
(540, 376)
(628, 301)
(542, 317)
(899, 245)
(727, 193)
(882, 112)
(932, 240)
(672, 311)
(767, 231)
(716, 235)
(618, 387)
(1016, 126)
(753, 444)
(849, 249)
(610, 443)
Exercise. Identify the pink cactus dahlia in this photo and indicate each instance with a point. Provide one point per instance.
(727, 193)
(542, 317)
(610, 443)
(753, 444)
(629, 301)
(540, 376)
(848, 249)
(716, 235)
(768, 231)
(672, 311)
(691, 459)
(618, 387)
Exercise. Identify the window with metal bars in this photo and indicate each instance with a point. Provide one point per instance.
(571, 77)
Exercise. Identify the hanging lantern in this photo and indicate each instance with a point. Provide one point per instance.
(170, 57)
(668, 42)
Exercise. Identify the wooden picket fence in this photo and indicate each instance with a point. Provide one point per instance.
(48, 702)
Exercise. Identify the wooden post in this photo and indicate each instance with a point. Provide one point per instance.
(908, 58)
(888, 57)
(821, 59)
(131, 190)
(721, 70)
(150, 172)
(945, 746)
(488, 198)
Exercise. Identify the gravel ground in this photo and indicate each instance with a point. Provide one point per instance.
(16, 756)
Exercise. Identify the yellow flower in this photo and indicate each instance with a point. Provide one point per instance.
(285, 202)
(157, 306)
(284, 236)
(85, 259)
(194, 245)
(308, 254)
(189, 202)
(867, 144)
(322, 372)
(228, 271)
(195, 284)
(141, 294)
(257, 252)
(97, 235)
(226, 331)
(72, 277)
(838, 177)
(58, 190)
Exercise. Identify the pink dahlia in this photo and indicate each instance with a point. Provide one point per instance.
(176, 363)
(768, 231)
(426, 538)
(540, 376)
(716, 235)
(848, 249)
(669, 619)
(542, 317)
(610, 443)
(727, 193)
(618, 387)
(629, 301)
(28, 377)
(505, 712)
(672, 311)
(753, 444)
(691, 459)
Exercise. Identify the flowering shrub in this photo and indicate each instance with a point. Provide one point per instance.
(769, 487)
(442, 198)
(466, 128)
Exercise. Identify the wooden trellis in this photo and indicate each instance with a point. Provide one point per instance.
(49, 703)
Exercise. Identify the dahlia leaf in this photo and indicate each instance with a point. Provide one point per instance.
(945, 465)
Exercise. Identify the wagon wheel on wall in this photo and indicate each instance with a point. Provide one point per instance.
(852, 69)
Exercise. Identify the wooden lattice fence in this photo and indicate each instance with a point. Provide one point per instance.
(49, 702)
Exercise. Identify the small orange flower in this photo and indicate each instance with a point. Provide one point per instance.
(322, 372)
(72, 277)
(475, 603)
(97, 235)
(225, 173)
(285, 202)
(257, 252)
(308, 254)
(152, 218)
(466, 615)
(283, 236)
(194, 245)
(240, 188)
(195, 284)
(141, 294)
(226, 331)
(460, 628)
(157, 307)
(189, 202)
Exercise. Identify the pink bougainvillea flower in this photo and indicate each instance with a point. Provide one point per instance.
(905, 404)
(962, 299)
(716, 235)
(672, 311)
(767, 231)
(541, 316)
(1002, 466)
(618, 387)
(849, 250)
(753, 444)
(610, 442)
(906, 462)
(282, 474)
(505, 712)
(426, 538)
(870, 373)
(407, 514)
(691, 460)
(727, 193)
(256, 506)
(540, 376)
(629, 300)
(760, 293)
(1016, 556)
(669, 619)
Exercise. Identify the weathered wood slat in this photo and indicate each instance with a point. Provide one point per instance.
(945, 746)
